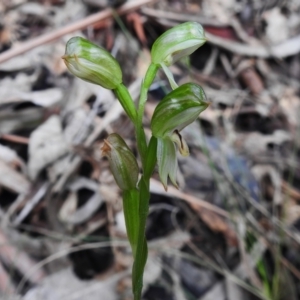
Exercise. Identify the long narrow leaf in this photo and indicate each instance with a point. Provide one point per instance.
(141, 250)
(131, 213)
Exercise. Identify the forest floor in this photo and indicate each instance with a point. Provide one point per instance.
(232, 229)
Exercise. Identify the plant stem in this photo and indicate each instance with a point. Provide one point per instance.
(140, 258)
(149, 77)
(140, 133)
(126, 101)
(131, 209)
(142, 249)
(136, 215)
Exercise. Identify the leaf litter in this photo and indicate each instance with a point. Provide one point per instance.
(239, 190)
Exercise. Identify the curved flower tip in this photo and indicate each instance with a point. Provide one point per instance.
(176, 110)
(167, 161)
(92, 63)
(122, 162)
(181, 143)
(177, 42)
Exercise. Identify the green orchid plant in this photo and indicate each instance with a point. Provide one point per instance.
(175, 111)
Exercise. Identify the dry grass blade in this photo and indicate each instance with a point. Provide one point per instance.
(31, 271)
(18, 259)
(287, 48)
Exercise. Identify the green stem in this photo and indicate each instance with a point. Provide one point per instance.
(136, 215)
(151, 158)
(149, 77)
(126, 101)
(131, 214)
(142, 249)
(141, 137)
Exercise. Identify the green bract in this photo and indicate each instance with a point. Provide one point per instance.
(92, 63)
(177, 42)
(175, 111)
(122, 162)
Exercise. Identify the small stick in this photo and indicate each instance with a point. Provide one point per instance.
(290, 190)
(15, 138)
(81, 24)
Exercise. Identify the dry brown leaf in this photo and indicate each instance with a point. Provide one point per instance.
(137, 23)
(217, 224)
(252, 80)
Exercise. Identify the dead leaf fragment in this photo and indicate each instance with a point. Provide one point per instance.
(10, 156)
(219, 10)
(46, 144)
(252, 80)
(12, 179)
(277, 25)
(68, 286)
(256, 143)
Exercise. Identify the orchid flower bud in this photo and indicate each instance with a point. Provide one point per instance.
(176, 43)
(176, 110)
(122, 162)
(92, 63)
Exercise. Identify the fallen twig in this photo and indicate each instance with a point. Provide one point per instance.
(290, 191)
(181, 17)
(156, 187)
(15, 138)
(287, 48)
(81, 24)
